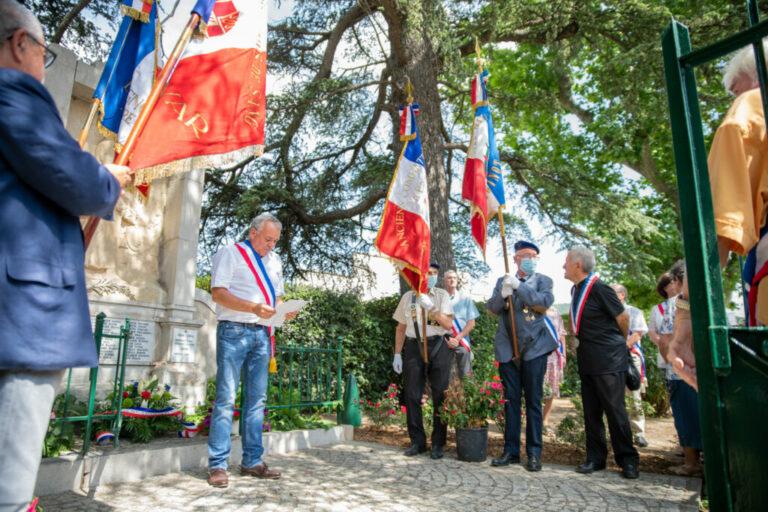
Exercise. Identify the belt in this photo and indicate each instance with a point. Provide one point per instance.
(244, 324)
(429, 338)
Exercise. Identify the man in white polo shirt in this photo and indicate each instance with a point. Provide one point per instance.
(246, 285)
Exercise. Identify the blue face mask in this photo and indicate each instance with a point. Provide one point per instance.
(431, 281)
(528, 265)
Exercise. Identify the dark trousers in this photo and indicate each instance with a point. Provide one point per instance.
(415, 374)
(528, 380)
(605, 394)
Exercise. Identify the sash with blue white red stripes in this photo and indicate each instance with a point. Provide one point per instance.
(560, 346)
(577, 308)
(456, 327)
(638, 351)
(262, 280)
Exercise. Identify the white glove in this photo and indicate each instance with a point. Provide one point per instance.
(425, 302)
(397, 364)
(507, 290)
(511, 280)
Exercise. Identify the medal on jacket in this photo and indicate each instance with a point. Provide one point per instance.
(529, 314)
(577, 307)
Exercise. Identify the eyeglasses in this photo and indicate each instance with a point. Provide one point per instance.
(49, 56)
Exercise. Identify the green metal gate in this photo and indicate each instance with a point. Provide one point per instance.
(732, 364)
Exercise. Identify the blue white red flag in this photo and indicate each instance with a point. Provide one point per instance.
(133, 55)
(404, 231)
(212, 111)
(638, 351)
(483, 185)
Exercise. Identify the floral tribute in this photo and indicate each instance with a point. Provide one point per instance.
(470, 404)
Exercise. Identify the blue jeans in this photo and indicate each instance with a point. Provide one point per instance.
(528, 382)
(239, 347)
(685, 410)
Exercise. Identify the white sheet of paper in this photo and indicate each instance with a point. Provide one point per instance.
(286, 307)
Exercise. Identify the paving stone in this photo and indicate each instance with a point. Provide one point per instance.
(363, 477)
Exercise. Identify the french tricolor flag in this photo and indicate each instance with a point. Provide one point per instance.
(483, 186)
(213, 108)
(404, 231)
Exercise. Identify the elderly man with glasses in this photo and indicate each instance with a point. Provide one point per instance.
(46, 183)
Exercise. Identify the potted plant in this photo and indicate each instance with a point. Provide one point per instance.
(467, 408)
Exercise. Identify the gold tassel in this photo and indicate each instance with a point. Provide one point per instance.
(272, 365)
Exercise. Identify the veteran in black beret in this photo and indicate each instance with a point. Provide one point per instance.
(531, 296)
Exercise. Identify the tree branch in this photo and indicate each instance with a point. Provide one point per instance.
(67, 20)
(339, 214)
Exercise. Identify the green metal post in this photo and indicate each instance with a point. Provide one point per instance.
(122, 355)
(704, 282)
(98, 332)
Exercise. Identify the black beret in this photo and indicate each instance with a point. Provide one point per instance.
(522, 244)
(432, 264)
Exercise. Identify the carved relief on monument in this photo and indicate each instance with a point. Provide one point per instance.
(123, 259)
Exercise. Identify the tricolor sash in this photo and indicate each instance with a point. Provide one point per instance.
(577, 308)
(262, 280)
(661, 308)
(560, 346)
(456, 327)
(638, 351)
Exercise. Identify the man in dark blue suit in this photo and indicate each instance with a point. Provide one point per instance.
(46, 183)
(531, 294)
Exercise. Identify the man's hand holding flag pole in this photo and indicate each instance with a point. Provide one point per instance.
(483, 184)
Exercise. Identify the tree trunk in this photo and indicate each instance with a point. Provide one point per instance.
(413, 56)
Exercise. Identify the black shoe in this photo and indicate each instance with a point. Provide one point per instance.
(534, 463)
(641, 442)
(630, 470)
(437, 452)
(414, 450)
(506, 459)
(589, 467)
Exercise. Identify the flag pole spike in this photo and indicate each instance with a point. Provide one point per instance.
(146, 110)
(479, 60)
(409, 90)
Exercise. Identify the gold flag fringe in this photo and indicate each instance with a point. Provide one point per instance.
(146, 176)
(134, 13)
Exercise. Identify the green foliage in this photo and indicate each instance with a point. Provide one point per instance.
(203, 282)
(291, 418)
(61, 434)
(470, 404)
(571, 428)
(385, 410)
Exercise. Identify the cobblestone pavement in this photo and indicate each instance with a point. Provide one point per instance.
(356, 476)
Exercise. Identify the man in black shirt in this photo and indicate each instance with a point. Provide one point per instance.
(601, 326)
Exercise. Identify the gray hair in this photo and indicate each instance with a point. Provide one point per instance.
(14, 16)
(742, 63)
(584, 256)
(258, 222)
(620, 288)
(451, 272)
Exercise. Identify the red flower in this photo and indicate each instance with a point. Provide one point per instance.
(453, 412)
(496, 378)
(391, 411)
(402, 408)
(145, 395)
(391, 395)
(496, 364)
(125, 394)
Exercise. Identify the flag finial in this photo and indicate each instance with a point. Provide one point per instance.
(480, 61)
(409, 90)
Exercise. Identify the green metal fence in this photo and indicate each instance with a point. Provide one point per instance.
(308, 376)
(732, 364)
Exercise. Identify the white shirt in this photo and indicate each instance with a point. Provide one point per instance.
(402, 314)
(230, 271)
(653, 325)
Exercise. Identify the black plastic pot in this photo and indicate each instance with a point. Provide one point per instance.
(472, 444)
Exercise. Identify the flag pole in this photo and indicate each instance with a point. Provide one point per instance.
(88, 122)
(146, 110)
(511, 303)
